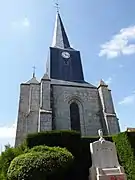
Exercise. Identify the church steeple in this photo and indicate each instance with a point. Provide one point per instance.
(64, 62)
(60, 39)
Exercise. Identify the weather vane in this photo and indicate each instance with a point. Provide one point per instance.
(34, 71)
(57, 6)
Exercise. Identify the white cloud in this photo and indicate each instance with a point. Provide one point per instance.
(119, 44)
(128, 100)
(24, 23)
(7, 135)
(7, 132)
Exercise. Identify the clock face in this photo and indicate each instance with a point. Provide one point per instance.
(65, 55)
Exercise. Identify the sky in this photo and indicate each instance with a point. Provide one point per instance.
(103, 31)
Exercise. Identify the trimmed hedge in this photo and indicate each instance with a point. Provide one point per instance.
(40, 163)
(131, 138)
(126, 152)
(68, 139)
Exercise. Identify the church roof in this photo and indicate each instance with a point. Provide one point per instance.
(69, 83)
(45, 77)
(60, 39)
(32, 81)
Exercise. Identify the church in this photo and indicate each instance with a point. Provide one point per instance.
(62, 99)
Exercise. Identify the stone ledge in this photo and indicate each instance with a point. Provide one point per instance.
(45, 111)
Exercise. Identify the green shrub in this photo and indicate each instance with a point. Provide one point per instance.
(68, 139)
(126, 154)
(45, 149)
(40, 163)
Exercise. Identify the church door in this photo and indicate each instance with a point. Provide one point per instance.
(75, 116)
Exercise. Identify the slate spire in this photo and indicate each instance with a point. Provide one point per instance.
(60, 39)
(64, 62)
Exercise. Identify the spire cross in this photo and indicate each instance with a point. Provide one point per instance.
(34, 71)
(57, 6)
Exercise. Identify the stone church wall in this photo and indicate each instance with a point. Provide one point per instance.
(112, 124)
(28, 114)
(22, 112)
(88, 102)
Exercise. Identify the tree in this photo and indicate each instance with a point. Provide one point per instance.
(6, 157)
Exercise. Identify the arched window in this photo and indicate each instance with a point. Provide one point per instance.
(74, 116)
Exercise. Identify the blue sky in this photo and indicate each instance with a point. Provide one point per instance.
(104, 32)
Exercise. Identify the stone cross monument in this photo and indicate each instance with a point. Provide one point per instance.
(105, 165)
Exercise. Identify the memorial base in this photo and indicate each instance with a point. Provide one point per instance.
(107, 174)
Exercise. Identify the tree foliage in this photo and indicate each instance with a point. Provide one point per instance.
(5, 159)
